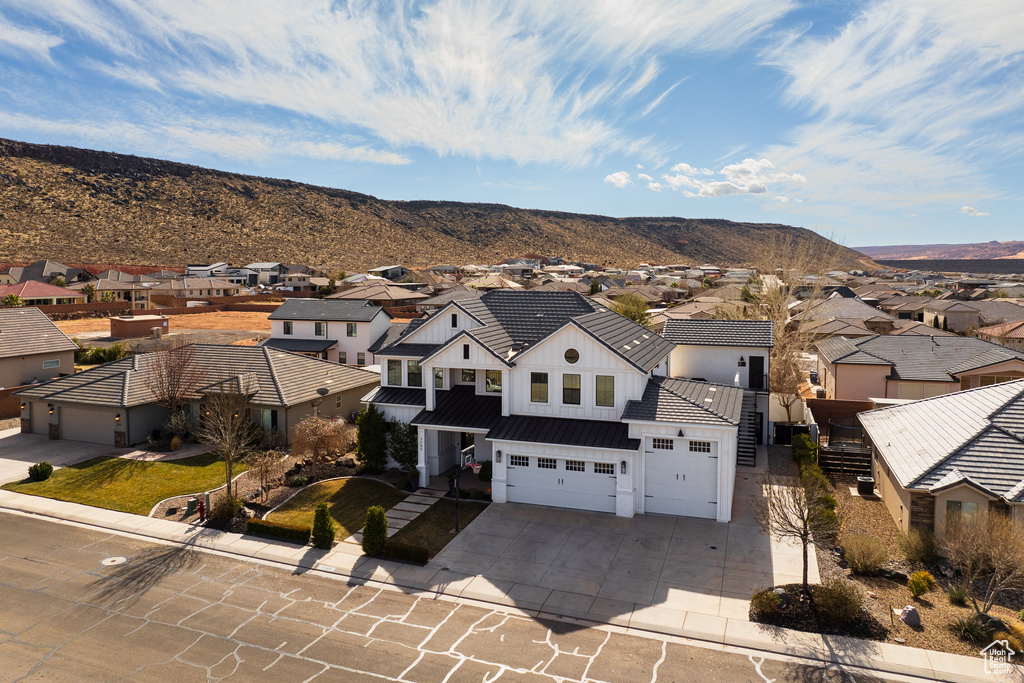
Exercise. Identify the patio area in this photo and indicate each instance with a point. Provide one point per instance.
(608, 568)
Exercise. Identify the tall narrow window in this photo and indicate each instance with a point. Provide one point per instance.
(605, 391)
(287, 326)
(342, 357)
(539, 387)
(415, 373)
(465, 352)
(350, 329)
(318, 329)
(360, 358)
(439, 378)
(394, 372)
(455, 319)
(571, 390)
(492, 381)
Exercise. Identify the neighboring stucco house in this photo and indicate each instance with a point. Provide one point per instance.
(135, 293)
(571, 402)
(268, 273)
(912, 367)
(113, 403)
(958, 454)
(949, 313)
(731, 352)
(333, 329)
(1010, 335)
(34, 293)
(382, 295)
(32, 348)
(195, 288)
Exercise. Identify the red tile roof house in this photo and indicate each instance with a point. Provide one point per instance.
(34, 293)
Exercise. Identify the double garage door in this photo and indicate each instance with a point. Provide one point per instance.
(561, 483)
(681, 477)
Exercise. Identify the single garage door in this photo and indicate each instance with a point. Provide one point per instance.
(575, 484)
(681, 477)
(85, 424)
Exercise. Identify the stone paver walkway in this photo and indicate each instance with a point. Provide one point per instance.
(400, 515)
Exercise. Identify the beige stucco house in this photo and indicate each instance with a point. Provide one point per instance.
(32, 348)
(958, 454)
(912, 367)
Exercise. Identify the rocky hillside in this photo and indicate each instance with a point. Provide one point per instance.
(981, 250)
(83, 206)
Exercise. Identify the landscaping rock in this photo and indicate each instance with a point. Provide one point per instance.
(783, 596)
(909, 616)
(898, 577)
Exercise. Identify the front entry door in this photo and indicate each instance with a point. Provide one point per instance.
(756, 369)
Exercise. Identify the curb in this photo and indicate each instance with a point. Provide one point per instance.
(870, 655)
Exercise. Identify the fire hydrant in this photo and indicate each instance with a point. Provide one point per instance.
(202, 511)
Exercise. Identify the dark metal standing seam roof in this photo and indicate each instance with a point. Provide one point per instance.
(564, 432)
(398, 396)
(746, 333)
(461, 408)
(342, 310)
(299, 345)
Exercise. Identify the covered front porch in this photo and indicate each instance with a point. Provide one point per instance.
(459, 422)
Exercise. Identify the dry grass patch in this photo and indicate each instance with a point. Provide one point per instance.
(348, 500)
(256, 321)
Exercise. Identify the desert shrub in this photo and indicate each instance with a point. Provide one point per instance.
(224, 510)
(375, 532)
(765, 603)
(838, 602)
(263, 527)
(920, 583)
(864, 554)
(323, 527)
(298, 481)
(179, 424)
(406, 552)
(486, 470)
(973, 628)
(828, 501)
(958, 596)
(41, 471)
(918, 545)
(175, 442)
(1013, 634)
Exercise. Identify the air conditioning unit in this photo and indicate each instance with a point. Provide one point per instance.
(156, 332)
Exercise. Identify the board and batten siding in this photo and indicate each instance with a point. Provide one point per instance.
(438, 329)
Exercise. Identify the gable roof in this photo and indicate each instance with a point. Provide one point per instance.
(685, 401)
(379, 292)
(280, 378)
(843, 307)
(1010, 330)
(33, 289)
(918, 358)
(26, 331)
(974, 437)
(745, 333)
(341, 310)
(515, 321)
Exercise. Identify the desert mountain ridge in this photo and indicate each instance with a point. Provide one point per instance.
(83, 206)
(920, 252)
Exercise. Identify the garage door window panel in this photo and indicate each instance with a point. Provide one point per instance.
(662, 444)
(547, 463)
(575, 466)
(604, 468)
(700, 446)
(518, 461)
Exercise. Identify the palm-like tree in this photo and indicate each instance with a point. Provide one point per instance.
(90, 291)
(13, 301)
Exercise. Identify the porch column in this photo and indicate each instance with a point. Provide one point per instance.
(428, 374)
(421, 454)
(506, 401)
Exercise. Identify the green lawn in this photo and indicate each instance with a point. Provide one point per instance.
(129, 485)
(348, 499)
(435, 528)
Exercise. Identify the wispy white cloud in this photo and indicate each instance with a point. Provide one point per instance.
(619, 179)
(751, 176)
(26, 42)
(783, 200)
(526, 80)
(643, 176)
(659, 99)
(971, 211)
(657, 187)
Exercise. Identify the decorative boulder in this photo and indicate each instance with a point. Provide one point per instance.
(910, 616)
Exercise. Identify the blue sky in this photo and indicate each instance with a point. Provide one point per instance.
(881, 122)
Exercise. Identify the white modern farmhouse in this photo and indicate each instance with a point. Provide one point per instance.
(571, 402)
(337, 330)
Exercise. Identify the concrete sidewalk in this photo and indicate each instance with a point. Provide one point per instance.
(346, 561)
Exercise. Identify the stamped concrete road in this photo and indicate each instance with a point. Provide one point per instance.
(70, 611)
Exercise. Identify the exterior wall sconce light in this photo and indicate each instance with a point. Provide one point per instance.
(49, 406)
(24, 405)
(623, 466)
(681, 433)
(742, 363)
(117, 418)
(497, 457)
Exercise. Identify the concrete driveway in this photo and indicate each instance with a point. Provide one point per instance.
(18, 451)
(599, 566)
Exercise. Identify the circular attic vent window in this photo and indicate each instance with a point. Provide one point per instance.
(572, 355)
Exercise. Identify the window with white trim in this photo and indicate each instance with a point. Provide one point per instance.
(518, 461)
(319, 329)
(700, 446)
(47, 364)
(351, 330)
(546, 463)
(575, 466)
(342, 357)
(360, 359)
(604, 468)
(287, 327)
(662, 444)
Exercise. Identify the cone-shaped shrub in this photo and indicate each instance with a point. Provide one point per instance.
(375, 533)
(323, 527)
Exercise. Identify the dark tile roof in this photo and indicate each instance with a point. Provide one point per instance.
(399, 396)
(746, 333)
(326, 309)
(635, 343)
(683, 401)
(299, 345)
(461, 408)
(919, 358)
(281, 378)
(564, 432)
(843, 307)
(26, 331)
(457, 293)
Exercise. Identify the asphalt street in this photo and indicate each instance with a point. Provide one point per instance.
(85, 605)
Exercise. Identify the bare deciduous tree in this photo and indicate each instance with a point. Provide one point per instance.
(226, 422)
(793, 509)
(317, 437)
(175, 375)
(988, 550)
(266, 466)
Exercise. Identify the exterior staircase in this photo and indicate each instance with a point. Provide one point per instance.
(746, 448)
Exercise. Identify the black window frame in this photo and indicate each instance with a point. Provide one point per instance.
(536, 384)
(572, 392)
(394, 363)
(608, 391)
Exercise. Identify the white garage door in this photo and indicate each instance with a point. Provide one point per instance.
(681, 477)
(561, 483)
